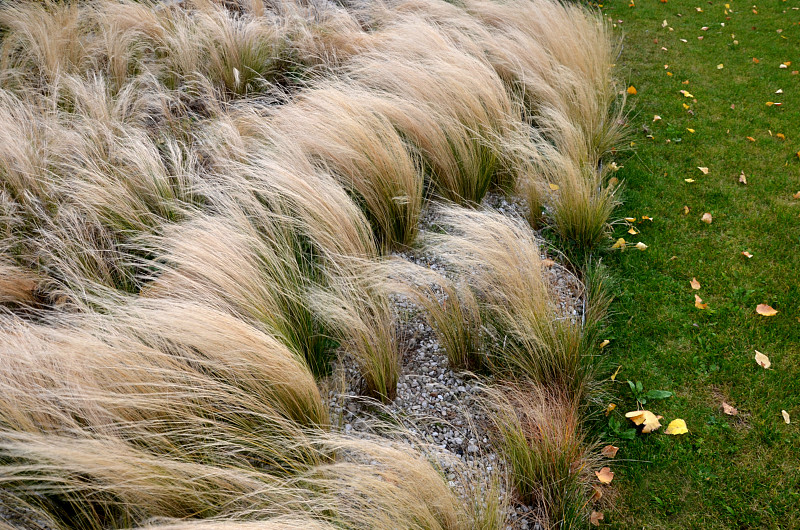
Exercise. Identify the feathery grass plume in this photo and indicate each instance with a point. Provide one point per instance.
(450, 307)
(18, 285)
(500, 260)
(288, 522)
(540, 436)
(356, 306)
(337, 125)
(567, 64)
(454, 109)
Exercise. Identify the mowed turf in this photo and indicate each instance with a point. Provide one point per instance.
(738, 471)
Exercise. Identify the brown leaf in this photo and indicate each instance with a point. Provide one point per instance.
(548, 263)
(729, 409)
(609, 451)
(747, 254)
(796, 195)
(597, 493)
(605, 475)
(762, 360)
(706, 218)
(645, 418)
(695, 284)
(765, 310)
(685, 210)
(595, 518)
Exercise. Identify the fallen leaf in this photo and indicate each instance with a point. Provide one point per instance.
(676, 427)
(605, 343)
(695, 284)
(729, 410)
(689, 180)
(762, 360)
(596, 517)
(605, 475)
(614, 375)
(554, 187)
(664, 24)
(765, 310)
(796, 195)
(632, 90)
(756, 60)
(742, 178)
(685, 106)
(632, 231)
(704, 28)
(786, 417)
(720, 66)
(780, 136)
(747, 254)
(770, 103)
(609, 451)
(706, 218)
(641, 246)
(656, 117)
(690, 130)
(619, 244)
(548, 262)
(630, 219)
(751, 138)
(646, 418)
(698, 303)
(686, 94)
(703, 170)
(685, 210)
(613, 181)
(610, 408)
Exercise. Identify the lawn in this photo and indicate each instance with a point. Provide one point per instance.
(738, 114)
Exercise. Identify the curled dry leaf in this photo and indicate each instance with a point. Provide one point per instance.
(685, 210)
(704, 170)
(605, 343)
(742, 178)
(647, 419)
(796, 195)
(614, 375)
(747, 254)
(553, 187)
(605, 475)
(548, 262)
(762, 360)
(765, 310)
(786, 417)
(676, 427)
(632, 231)
(656, 117)
(706, 218)
(632, 90)
(595, 518)
(750, 138)
(686, 94)
(695, 284)
(698, 303)
(610, 408)
(729, 409)
(641, 246)
(609, 451)
(619, 244)
(597, 493)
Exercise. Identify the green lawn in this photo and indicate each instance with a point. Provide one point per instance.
(730, 471)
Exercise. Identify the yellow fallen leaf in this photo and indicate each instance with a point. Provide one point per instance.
(780, 136)
(770, 103)
(685, 210)
(676, 427)
(664, 24)
(690, 130)
(747, 254)
(605, 475)
(796, 195)
(686, 94)
(632, 90)
(619, 244)
(554, 187)
(609, 451)
(656, 117)
(610, 408)
(765, 310)
(647, 218)
(762, 360)
(729, 410)
(605, 343)
(647, 419)
(786, 417)
(742, 178)
(703, 170)
(698, 303)
(751, 138)
(641, 246)
(689, 180)
(614, 375)
(720, 66)
(787, 63)
(756, 60)
(632, 231)
(630, 219)
(595, 518)
(695, 284)
(707, 218)
(685, 106)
